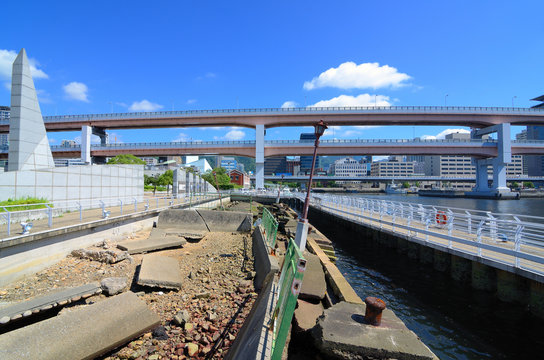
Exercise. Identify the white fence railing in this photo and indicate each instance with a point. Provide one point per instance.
(56, 212)
(516, 240)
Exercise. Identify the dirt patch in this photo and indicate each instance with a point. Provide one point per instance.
(214, 272)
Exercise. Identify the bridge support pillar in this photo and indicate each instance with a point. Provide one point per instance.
(498, 164)
(259, 156)
(102, 134)
(86, 144)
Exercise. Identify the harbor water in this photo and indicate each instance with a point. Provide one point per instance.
(455, 321)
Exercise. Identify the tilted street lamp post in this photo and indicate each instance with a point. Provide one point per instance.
(302, 225)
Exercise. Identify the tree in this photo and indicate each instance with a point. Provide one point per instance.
(528, 184)
(126, 159)
(406, 185)
(223, 180)
(167, 178)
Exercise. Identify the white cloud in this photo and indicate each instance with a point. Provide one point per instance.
(51, 140)
(360, 100)
(7, 57)
(235, 135)
(289, 104)
(352, 76)
(7, 85)
(182, 137)
(442, 135)
(76, 91)
(144, 105)
(191, 101)
(43, 96)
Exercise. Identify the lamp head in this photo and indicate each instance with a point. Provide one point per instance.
(320, 128)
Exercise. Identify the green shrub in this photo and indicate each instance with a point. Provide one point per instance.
(8, 204)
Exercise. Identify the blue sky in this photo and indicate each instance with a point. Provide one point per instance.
(92, 57)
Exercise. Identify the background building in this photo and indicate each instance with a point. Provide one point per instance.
(275, 165)
(239, 178)
(348, 167)
(392, 168)
(229, 163)
(306, 161)
(4, 115)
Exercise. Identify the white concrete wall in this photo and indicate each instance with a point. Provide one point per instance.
(75, 183)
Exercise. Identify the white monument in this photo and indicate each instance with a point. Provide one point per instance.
(28, 144)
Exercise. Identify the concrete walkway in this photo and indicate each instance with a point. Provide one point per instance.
(388, 224)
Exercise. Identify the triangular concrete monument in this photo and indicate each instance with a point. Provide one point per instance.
(28, 144)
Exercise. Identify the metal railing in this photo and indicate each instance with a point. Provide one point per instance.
(290, 283)
(270, 226)
(516, 240)
(74, 212)
(310, 109)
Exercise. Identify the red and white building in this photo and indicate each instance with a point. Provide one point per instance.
(240, 178)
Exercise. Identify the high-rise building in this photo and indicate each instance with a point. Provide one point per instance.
(535, 163)
(68, 143)
(4, 116)
(293, 166)
(521, 137)
(275, 165)
(306, 161)
(229, 163)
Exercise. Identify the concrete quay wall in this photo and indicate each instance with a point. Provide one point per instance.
(508, 284)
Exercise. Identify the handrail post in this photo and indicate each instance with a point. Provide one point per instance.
(49, 216)
(80, 208)
(121, 201)
(8, 219)
(135, 204)
(517, 240)
(479, 237)
(469, 222)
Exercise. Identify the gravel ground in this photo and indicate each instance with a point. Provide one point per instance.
(216, 273)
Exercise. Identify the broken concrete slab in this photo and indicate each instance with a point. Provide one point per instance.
(46, 302)
(84, 333)
(183, 220)
(160, 271)
(306, 315)
(113, 285)
(314, 285)
(157, 240)
(227, 221)
(341, 332)
(105, 256)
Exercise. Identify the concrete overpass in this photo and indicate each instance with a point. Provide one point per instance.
(476, 117)
(483, 121)
(476, 148)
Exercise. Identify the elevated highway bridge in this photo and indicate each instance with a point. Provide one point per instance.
(482, 121)
(474, 117)
(476, 148)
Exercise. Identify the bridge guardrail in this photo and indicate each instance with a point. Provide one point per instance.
(270, 226)
(310, 109)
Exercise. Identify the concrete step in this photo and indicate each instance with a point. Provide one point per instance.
(160, 271)
(54, 299)
(158, 239)
(306, 315)
(84, 333)
(314, 284)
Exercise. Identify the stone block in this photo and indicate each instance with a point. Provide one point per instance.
(84, 333)
(306, 315)
(160, 271)
(314, 285)
(157, 240)
(342, 333)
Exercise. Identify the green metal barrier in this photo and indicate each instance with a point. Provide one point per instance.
(292, 273)
(270, 226)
